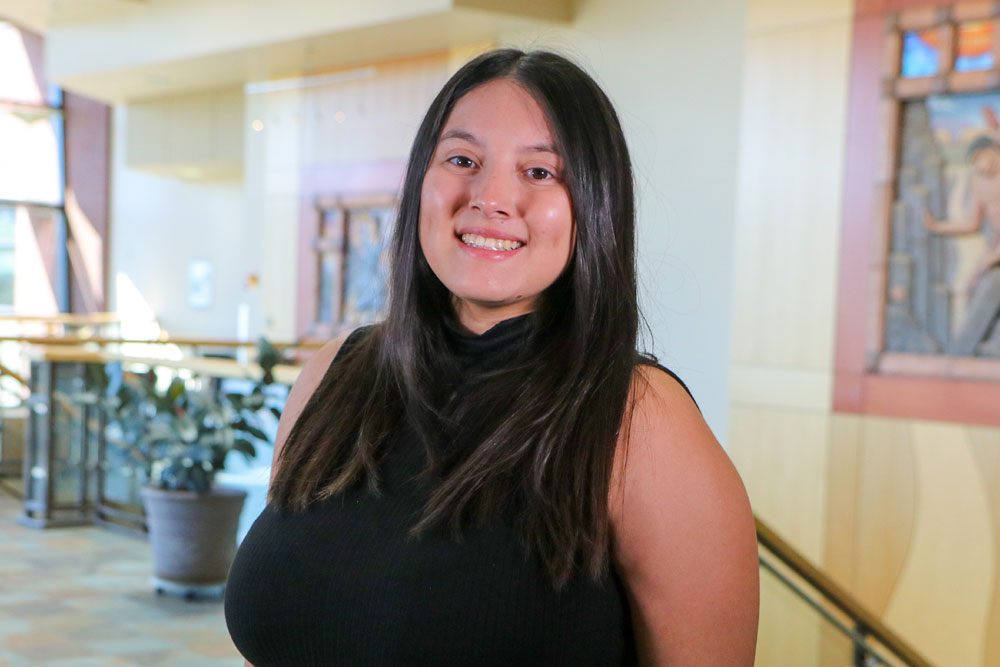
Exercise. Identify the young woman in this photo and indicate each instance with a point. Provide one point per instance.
(493, 475)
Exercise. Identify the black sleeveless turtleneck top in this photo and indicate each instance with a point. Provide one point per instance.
(343, 583)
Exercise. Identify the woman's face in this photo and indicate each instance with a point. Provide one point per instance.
(496, 222)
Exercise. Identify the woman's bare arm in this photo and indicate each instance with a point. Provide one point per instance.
(685, 541)
(961, 227)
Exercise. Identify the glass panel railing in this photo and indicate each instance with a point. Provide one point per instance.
(798, 626)
(68, 437)
(60, 455)
(808, 619)
(792, 631)
(73, 473)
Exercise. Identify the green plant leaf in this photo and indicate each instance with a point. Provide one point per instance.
(175, 390)
(242, 425)
(244, 447)
(96, 377)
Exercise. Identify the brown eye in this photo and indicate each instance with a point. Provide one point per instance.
(539, 174)
(462, 161)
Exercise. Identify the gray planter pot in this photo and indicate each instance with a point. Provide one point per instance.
(193, 538)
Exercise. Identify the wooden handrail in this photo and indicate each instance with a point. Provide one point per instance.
(837, 595)
(182, 342)
(6, 371)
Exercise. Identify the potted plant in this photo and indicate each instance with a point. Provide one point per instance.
(180, 437)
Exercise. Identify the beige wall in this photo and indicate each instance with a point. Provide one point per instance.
(904, 513)
(159, 223)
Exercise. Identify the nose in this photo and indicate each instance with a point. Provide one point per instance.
(494, 194)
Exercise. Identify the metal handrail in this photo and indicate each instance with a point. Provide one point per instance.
(866, 623)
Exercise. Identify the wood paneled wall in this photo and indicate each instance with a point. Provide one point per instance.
(788, 207)
(905, 513)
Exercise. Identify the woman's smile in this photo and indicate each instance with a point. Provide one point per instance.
(489, 239)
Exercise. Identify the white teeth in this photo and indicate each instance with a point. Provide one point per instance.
(477, 241)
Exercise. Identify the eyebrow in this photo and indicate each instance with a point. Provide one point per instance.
(471, 138)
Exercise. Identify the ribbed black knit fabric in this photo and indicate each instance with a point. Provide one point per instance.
(344, 584)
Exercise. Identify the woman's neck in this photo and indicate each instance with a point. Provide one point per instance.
(477, 318)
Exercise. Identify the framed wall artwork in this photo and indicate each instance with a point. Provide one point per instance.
(346, 213)
(351, 261)
(919, 300)
(200, 284)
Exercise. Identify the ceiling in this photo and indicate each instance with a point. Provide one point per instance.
(128, 50)
(39, 15)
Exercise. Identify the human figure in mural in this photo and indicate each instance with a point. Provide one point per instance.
(982, 289)
(984, 155)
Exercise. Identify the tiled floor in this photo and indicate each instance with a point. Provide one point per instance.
(81, 597)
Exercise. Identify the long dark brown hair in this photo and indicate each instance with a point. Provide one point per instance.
(546, 443)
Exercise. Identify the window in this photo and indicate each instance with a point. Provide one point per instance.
(32, 167)
(921, 51)
(7, 217)
(976, 48)
(31, 144)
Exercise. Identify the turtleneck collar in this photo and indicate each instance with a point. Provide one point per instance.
(499, 342)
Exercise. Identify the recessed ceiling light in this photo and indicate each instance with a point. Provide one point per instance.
(340, 116)
(257, 125)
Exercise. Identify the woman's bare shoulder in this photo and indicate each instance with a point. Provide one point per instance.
(314, 369)
(685, 543)
(663, 428)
